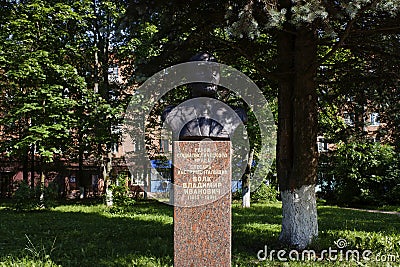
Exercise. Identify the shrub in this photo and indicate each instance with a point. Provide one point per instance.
(122, 201)
(26, 198)
(50, 195)
(361, 173)
(237, 195)
(265, 193)
(394, 195)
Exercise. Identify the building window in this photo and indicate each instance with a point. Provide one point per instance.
(374, 119)
(348, 118)
(113, 74)
(322, 145)
(164, 145)
(376, 139)
(114, 148)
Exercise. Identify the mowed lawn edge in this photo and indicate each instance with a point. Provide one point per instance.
(90, 235)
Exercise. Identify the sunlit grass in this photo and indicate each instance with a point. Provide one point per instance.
(88, 234)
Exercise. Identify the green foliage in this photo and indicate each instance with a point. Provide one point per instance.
(26, 199)
(265, 193)
(237, 195)
(364, 173)
(122, 200)
(56, 97)
(36, 77)
(50, 196)
(393, 195)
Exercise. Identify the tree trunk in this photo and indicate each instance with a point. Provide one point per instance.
(246, 182)
(25, 163)
(41, 198)
(297, 135)
(42, 180)
(79, 176)
(107, 179)
(32, 166)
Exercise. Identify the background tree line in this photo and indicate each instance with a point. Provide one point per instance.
(57, 100)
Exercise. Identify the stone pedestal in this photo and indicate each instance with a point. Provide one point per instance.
(202, 203)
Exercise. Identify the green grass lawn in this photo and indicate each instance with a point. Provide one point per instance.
(87, 234)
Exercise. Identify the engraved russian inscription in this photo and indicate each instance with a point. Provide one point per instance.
(200, 167)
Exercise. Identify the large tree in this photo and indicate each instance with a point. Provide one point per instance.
(57, 100)
(37, 115)
(283, 42)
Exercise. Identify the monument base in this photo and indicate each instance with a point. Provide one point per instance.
(202, 203)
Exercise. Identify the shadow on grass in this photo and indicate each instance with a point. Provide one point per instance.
(255, 227)
(90, 238)
(260, 226)
(334, 218)
(85, 234)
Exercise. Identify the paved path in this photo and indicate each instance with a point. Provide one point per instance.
(375, 211)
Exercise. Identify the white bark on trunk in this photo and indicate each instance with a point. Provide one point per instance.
(109, 197)
(41, 197)
(246, 198)
(108, 191)
(299, 222)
